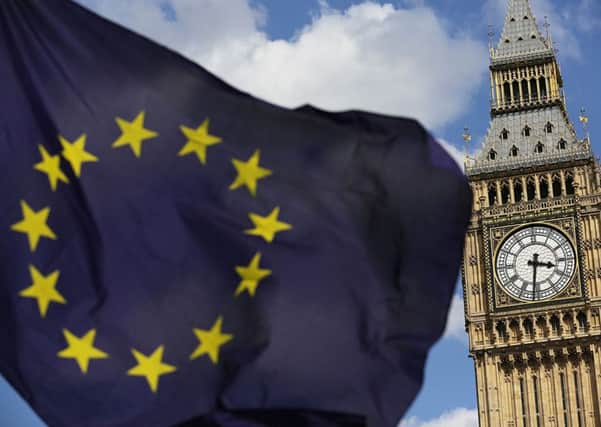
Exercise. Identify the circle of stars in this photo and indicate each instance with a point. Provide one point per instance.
(34, 224)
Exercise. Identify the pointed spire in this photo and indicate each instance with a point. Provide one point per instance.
(521, 35)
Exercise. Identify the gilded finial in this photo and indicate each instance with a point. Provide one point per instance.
(583, 117)
(467, 137)
(584, 120)
(491, 34)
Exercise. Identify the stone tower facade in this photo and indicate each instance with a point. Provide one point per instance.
(532, 264)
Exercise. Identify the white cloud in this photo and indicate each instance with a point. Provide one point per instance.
(459, 417)
(455, 328)
(399, 60)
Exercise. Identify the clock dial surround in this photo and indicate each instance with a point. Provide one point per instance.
(535, 263)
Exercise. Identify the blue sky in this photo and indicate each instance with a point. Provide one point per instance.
(423, 58)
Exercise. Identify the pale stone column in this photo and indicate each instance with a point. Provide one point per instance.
(537, 187)
(499, 201)
(596, 383)
(549, 185)
(564, 191)
(511, 192)
(492, 86)
(548, 397)
(524, 189)
(558, 396)
(587, 401)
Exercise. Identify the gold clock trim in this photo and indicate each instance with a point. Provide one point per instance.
(515, 230)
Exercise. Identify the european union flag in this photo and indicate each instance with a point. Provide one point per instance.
(172, 248)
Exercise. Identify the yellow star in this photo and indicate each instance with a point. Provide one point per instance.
(34, 225)
(81, 349)
(198, 141)
(251, 276)
(75, 153)
(133, 134)
(267, 226)
(43, 289)
(248, 173)
(151, 367)
(211, 341)
(50, 165)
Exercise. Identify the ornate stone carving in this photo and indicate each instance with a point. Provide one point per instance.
(572, 290)
(473, 260)
(475, 288)
(587, 245)
(503, 298)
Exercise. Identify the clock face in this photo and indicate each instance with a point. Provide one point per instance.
(535, 263)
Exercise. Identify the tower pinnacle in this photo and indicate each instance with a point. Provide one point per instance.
(521, 35)
(530, 125)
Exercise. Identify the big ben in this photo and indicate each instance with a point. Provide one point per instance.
(532, 262)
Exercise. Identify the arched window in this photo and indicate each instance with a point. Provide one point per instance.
(527, 130)
(507, 92)
(543, 187)
(520, 39)
(533, 90)
(518, 191)
(526, 18)
(528, 328)
(562, 144)
(581, 318)
(537, 401)
(549, 127)
(541, 325)
(504, 134)
(525, 90)
(530, 188)
(556, 186)
(502, 331)
(533, 36)
(512, 19)
(507, 41)
(492, 155)
(570, 184)
(555, 325)
(513, 152)
(505, 194)
(539, 148)
(543, 88)
(524, 399)
(492, 194)
(514, 328)
(564, 398)
(516, 91)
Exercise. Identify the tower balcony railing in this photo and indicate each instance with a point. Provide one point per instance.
(531, 205)
(528, 102)
(501, 57)
(476, 167)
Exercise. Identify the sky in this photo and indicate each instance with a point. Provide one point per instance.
(425, 59)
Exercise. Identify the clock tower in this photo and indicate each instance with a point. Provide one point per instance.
(532, 263)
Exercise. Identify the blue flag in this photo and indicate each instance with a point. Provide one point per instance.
(173, 248)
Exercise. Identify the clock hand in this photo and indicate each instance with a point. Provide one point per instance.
(534, 263)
